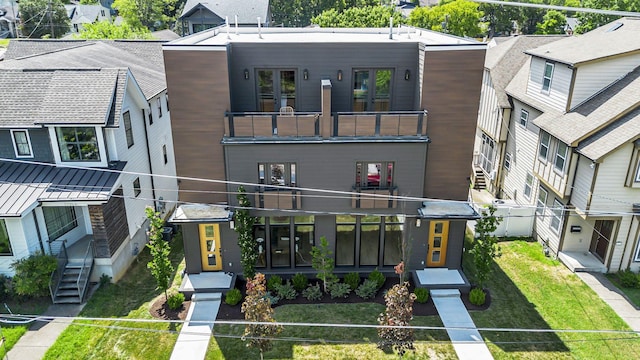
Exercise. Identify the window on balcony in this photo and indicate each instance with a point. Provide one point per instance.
(5, 242)
(528, 184)
(21, 143)
(543, 152)
(548, 75)
(557, 212)
(372, 89)
(524, 117)
(561, 156)
(542, 200)
(279, 174)
(487, 153)
(59, 220)
(78, 144)
(128, 130)
(276, 89)
(374, 175)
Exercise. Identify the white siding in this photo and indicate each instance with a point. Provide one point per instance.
(582, 185)
(544, 232)
(560, 84)
(578, 241)
(24, 242)
(489, 113)
(546, 169)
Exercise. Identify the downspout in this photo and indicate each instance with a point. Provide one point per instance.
(146, 138)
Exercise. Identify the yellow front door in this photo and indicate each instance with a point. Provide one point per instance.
(210, 247)
(438, 237)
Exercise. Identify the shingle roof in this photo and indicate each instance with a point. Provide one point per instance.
(600, 43)
(57, 96)
(620, 132)
(248, 11)
(22, 185)
(25, 47)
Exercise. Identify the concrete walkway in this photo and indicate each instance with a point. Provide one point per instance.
(193, 340)
(613, 296)
(466, 339)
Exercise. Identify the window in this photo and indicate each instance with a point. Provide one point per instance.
(524, 117)
(393, 228)
(280, 241)
(280, 174)
(637, 179)
(59, 220)
(345, 240)
(260, 234)
(78, 144)
(487, 151)
(546, 79)
(561, 156)
(507, 161)
(21, 143)
(372, 89)
(136, 187)
(542, 200)
(557, 211)
(304, 239)
(166, 97)
(164, 154)
(528, 185)
(5, 243)
(127, 128)
(159, 103)
(150, 115)
(379, 175)
(369, 240)
(102, 13)
(545, 138)
(276, 89)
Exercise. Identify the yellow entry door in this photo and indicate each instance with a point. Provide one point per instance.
(438, 237)
(210, 247)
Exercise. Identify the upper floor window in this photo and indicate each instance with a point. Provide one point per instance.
(508, 159)
(59, 220)
(372, 89)
(166, 97)
(545, 140)
(280, 174)
(542, 200)
(528, 184)
(5, 243)
(150, 115)
(637, 178)
(78, 144)
(159, 103)
(548, 75)
(127, 128)
(136, 187)
(276, 89)
(21, 143)
(557, 211)
(374, 174)
(164, 154)
(561, 156)
(524, 117)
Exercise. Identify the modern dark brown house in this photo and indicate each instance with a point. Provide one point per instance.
(362, 136)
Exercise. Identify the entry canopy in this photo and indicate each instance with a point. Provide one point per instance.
(444, 209)
(197, 213)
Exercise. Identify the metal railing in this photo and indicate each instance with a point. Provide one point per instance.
(377, 124)
(56, 275)
(272, 124)
(83, 277)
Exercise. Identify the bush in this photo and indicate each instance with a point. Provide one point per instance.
(422, 295)
(368, 289)
(299, 282)
(6, 287)
(353, 279)
(174, 301)
(233, 297)
(32, 274)
(339, 290)
(286, 291)
(273, 281)
(628, 279)
(477, 296)
(378, 277)
(312, 293)
(272, 298)
(105, 280)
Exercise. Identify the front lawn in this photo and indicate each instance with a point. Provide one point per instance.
(633, 294)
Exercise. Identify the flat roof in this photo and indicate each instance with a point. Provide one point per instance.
(443, 209)
(190, 213)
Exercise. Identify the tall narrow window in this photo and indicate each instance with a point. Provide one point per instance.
(543, 152)
(159, 103)
(508, 159)
(127, 128)
(528, 184)
(59, 220)
(78, 144)
(393, 229)
(150, 115)
(345, 240)
(21, 143)
(369, 240)
(548, 75)
(166, 98)
(136, 187)
(542, 200)
(280, 241)
(164, 153)
(5, 242)
(304, 239)
(557, 211)
(561, 156)
(260, 234)
(524, 117)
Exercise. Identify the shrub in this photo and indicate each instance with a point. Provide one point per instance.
(174, 301)
(286, 291)
(378, 277)
(628, 279)
(367, 290)
(6, 287)
(32, 274)
(353, 279)
(339, 290)
(422, 295)
(299, 282)
(272, 298)
(105, 280)
(273, 281)
(312, 293)
(233, 297)
(477, 296)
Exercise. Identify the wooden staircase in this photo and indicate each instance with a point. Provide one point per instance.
(479, 181)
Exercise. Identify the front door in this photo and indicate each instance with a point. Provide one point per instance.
(601, 238)
(372, 89)
(210, 247)
(276, 89)
(438, 238)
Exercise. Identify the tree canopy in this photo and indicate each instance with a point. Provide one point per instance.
(553, 22)
(368, 16)
(590, 21)
(36, 22)
(108, 30)
(151, 14)
(298, 13)
(459, 17)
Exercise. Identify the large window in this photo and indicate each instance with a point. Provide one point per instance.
(379, 175)
(487, 151)
(59, 220)
(276, 89)
(524, 117)
(280, 241)
(21, 143)
(304, 239)
(277, 174)
(369, 240)
(546, 78)
(128, 130)
(345, 240)
(78, 144)
(542, 200)
(557, 211)
(393, 228)
(561, 156)
(284, 238)
(545, 139)
(528, 185)
(372, 89)
(5, 243)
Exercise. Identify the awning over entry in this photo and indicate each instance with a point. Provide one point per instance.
(197, 213)
(444, 209)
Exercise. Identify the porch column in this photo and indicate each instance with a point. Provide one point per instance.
(326, 122)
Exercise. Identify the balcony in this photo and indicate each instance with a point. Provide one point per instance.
(364, 198)
(269, 197)
(271, 125)
(380, 124)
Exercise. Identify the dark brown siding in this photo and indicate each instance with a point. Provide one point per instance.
(109, 224)
(198, 84)
(451, 94)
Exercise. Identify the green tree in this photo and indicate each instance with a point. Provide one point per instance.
(244, 227)
(485, 245)
(368, 16)
(37, 20)
(150, 14)
(160, 264)
(322, 262)
(108, 30)
(553, 22)
(33, 273)
(257, 308)
(590, 21)
(298, 13)
(459, 17)
(399, 312)
(500, 19)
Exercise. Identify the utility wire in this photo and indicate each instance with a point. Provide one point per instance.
(561, 8)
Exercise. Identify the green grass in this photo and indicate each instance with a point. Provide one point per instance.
(4, 42)
(130, 298)
(632, 294)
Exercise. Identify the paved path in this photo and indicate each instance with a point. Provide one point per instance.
(193, 340)
(612, 296)
(466, 339)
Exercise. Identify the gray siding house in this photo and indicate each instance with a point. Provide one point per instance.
(202, 15)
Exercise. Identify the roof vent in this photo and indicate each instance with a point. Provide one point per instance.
(615, 27)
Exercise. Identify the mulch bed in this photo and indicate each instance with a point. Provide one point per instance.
(228, 312)
(160, 310)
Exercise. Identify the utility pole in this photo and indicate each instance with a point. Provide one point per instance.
(53, 34)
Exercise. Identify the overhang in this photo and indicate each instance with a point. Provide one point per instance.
(447, 209)
(201, 213)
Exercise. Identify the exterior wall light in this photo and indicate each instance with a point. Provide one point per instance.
(246, 74)
(305, 74)
(339, 75)
(407, 74)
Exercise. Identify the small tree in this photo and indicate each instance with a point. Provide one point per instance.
(160, 264)
(246, 241)
(257, 308)
(322, 261)
(485, 246)
(33, 273)
(399, 312)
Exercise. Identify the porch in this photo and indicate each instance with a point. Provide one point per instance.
(77, 251)
(207, 282)
(441, 278)
(69, 282)
(581, 261)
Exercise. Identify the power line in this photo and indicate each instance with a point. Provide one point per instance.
(561, 8)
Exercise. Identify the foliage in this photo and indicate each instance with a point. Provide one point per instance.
(628, 279)
(312, 293)
(477, 296)
(160, 263)
(422, 295)
(108, 30)
(353, 279)
(378, 277)
(105, 280)
(175, 300)
(257, 308)
(368, 289)
(338, 290)
(298, 13)
(299, 282)
(233, 297)
(244, 227)
(32, 274)
(35, 20)
(6, 287)
(399, 312)
(273, 299)
(590, 21)
(459, 17)
(553, 22)
(359, 17)
(145, 13)
(273, 282)
(322, 262)
(286, 291)
(499, 18)
(485, 246)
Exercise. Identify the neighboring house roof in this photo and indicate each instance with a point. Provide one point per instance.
(166, 34)
(505, 59)
(619, 37)
(620, 132)
(23, 185)
(25, 47)
(247, 11)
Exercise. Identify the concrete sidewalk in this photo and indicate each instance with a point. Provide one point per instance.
(193, 341)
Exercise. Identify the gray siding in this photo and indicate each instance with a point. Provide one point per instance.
(39, 143)
(580, 195)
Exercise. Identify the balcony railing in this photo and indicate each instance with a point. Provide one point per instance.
(364, 198)
(394, 123)
(270, 197)
(267, 125)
